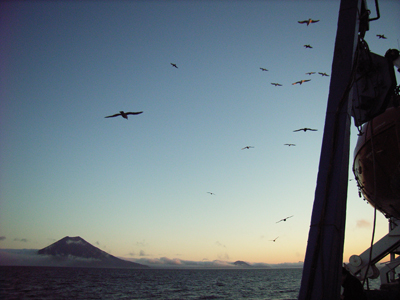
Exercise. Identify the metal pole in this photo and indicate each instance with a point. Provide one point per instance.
(322, 266)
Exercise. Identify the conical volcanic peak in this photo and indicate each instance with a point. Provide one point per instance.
(81, 253)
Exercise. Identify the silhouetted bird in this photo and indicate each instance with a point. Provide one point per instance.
(308, 46)
(290, 145)
(323, 74)
(263, 69)
(284, 219)
(247, 147)
(310, 73)
(301, 81)
(305, 129)
(174, 65)
(211, 193)
(274, 239)
(381, 36)
(125, 114)
(308, 22)
(276, 84)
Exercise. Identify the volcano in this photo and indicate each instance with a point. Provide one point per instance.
(76, 252)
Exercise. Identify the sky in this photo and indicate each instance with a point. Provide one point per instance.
(140, 188)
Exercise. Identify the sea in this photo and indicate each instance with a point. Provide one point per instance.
(90, 283)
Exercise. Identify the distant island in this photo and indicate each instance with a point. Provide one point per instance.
(242, 264)
(76, 252)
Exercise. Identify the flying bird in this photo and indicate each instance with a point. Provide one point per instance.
(323, 74)
(124, 114)
(211, 193)
(284, 219)
(304, 129)
(290, 145)
(247, 147)
(308, 22)
(381, 36)
(274, 239)
(301, 81)
(308, 46)
(174, 65)
(310, 73)
(276, 84)
(263, 69)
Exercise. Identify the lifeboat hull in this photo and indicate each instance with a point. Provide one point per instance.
(376, 163)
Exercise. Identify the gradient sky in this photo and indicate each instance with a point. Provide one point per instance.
(137, 188)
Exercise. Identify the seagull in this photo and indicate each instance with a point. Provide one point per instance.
(284, 219)
(124, 114)
(323, 74)
(211, 193)
(305, 129)
(301, 81)
(308, 22)
(274, 239)
(276, 84)
(308, 46)
(381, 36)
(310, 73)
(247, 147)
(263, 69)
(290, 145)
(174, 65)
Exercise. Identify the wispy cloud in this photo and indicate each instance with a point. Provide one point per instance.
(21, 240)
(363, 224)
(219, 244)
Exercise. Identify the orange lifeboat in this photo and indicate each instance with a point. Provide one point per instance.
(377, 162)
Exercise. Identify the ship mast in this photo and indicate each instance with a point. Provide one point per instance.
(321, 277)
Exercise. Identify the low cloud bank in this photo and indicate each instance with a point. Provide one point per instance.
(29, 257)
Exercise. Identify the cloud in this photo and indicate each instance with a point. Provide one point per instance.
(142, 253)
(29, 257)
(2, 238)
(142, 243)
(363, 224)
(219, 244)
(21, 240)
(224, 256)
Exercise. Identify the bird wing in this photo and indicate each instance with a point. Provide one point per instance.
(298, 129)
(314, 21)
(113, 116)
(133, 113)
(307, 80)
(302, 22)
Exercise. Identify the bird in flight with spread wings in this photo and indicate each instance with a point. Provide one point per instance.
(310, 73)
(284, 219)
(308, 46)
(308, 22)
(174, 65)
(247, 147)
(323, 74)
(274, 239)
(305, 129)
(211, 193)
(124, 114)
(263, 69)
(290, 145)
(276, 84)
(381, 36)
(301, 81)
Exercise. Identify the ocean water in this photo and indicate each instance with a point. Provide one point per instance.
(85, 283)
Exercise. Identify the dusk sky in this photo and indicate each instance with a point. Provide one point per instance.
(139, 188)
